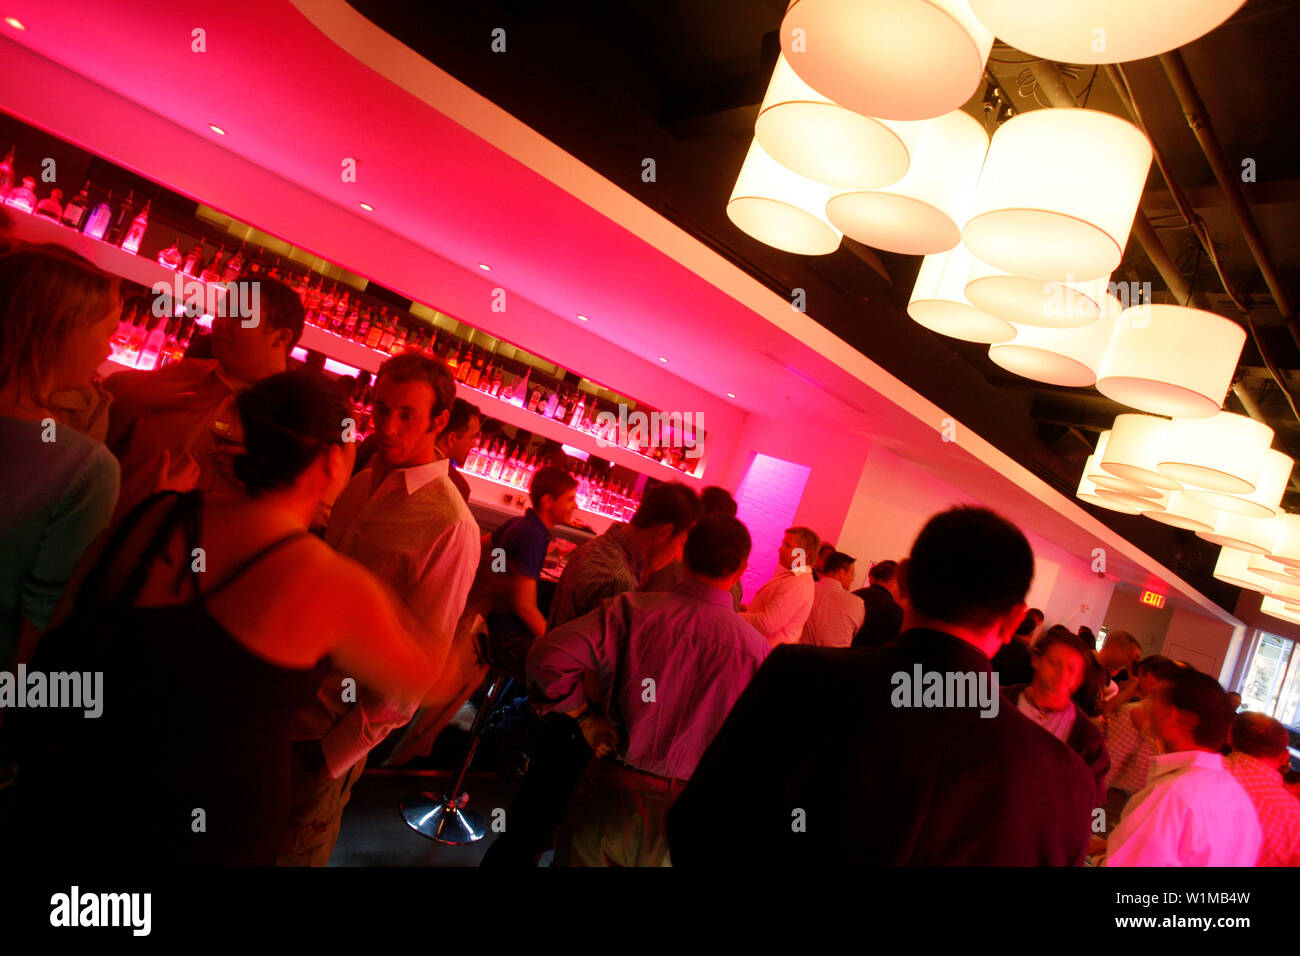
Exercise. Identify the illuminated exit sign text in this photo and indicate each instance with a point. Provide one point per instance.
(1153, 599)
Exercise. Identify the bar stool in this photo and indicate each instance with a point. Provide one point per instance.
(445, 819)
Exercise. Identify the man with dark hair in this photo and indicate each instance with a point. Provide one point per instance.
(876, 772)
(836, 612)
(1259, 755)
(1131, 739)
(782, 605)
(823, 552)
(1057, 666)
(458, 440)
(1119, 651)
(605, 566)
(180, 420)
(1014, 662)
(1192, 811)
(404, 520)
(884, 615)
(713, 501)
(670, 666)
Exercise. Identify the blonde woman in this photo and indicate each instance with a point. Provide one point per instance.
(58, 487)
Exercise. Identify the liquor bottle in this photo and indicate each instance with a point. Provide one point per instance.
(498, 462)
(51, 207)
(561, 404)
(575, 419)
(75, 211)
(363, 327)
(183, 340)
(476, 372)
(466, 363)
(327, 303)
(399, 341)
(350, 326)
(213, 271)
(376, 330)
(135, 341)
(535, 399)
(340, 312)
(300, 284)
(390, 333)
(234, 265)
(254, 267)
(510, 465)
(6, 174)
(135, 234)
(191, 258)
(495, 389)
(121, 221)
(549, 410)
(312, 306)
(97, 221)
(483, 457)
(170, 258)
(275, 268)
(153, 342)
(23, 198)
(453, 358)
(168, 351)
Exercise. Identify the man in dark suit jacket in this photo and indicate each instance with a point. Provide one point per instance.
(884, 617)
(836, 756)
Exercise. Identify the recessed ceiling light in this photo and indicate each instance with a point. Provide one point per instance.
(582, 317)
(731, 395)
(662, 359)
(485, 267)
(15, 23)
(216, 129)
(367, 207)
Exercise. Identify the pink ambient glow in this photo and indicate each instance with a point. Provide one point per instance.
(766, 500)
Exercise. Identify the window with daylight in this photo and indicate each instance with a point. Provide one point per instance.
(1272, 683)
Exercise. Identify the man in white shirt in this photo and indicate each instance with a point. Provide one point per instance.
(782, 605)
(837, 613)
(404, 519)
(1193, 812)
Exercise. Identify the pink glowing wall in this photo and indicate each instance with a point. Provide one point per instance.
(767, 498)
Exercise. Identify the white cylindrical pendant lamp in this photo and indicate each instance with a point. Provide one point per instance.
(823, 141)
(1134, 449)
(1265, 501)
(939, 301)
(1223, 453)
(781, 208)
(1125, 504)
(1057, 194)
(1171, 360)
(1253, 535)
(1286, 550)
(1052, 305)
(1101, 31)
(1275, 607)
(1181, 512)
(1265, 567)
(1068, 357)
(1233, 567)
(898, 59)
(1093, 471)
(923, 212)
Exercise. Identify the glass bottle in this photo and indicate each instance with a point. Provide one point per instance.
(549, 410)
(168, 351)
(340, 314)
(313, 302)
(213, 272)
(462, 370)
(170, 258)
(376, 330)
(97, 221)
(389, 333)
(363, 327)
(134, 235)
(476, 372)
(23, 198)
(234, 265)
(6, 174)
(350, 326)
(75, 211)
(399, 341)
(121, 221)
(192, 258)
(51, 207)
(254, 267)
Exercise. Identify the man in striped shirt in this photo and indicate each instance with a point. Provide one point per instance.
(1259, 754)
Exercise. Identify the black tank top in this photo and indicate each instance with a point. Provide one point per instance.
(189, 762)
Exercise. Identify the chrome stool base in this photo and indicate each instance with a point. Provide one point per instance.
(441, 820)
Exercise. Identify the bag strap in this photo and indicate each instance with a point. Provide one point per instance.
(86, 597)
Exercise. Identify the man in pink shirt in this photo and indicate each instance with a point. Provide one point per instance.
(1259, 755)
(1192, 811)
(782, 605)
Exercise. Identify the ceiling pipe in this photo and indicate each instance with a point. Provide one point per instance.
(1229, 180)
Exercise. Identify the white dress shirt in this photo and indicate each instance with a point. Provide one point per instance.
(782, 605)
(412, 529)
(837, 614)
(1193, 812)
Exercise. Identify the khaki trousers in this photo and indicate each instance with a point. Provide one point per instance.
(316, 811)
(617, 818)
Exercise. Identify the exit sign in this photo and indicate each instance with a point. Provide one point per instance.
(1152, 599)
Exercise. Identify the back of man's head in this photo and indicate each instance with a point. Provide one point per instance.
(671, 504)
(837, 561)
(1259, 736)
(969, 567)
(462, 413)
(278, 306)
(717, 501)
(808, 541)
(716, 547)
(1199, 695)
(1122, 646)
(1033, 617)
(882, 571)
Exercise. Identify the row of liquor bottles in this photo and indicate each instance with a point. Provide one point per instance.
(499, 460)
(334, 310)
(144, 341)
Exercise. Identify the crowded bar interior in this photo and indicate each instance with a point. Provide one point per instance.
(512, 434)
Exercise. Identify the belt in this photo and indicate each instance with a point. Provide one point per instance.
(668, 783)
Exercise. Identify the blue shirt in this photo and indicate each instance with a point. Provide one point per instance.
(525, 541)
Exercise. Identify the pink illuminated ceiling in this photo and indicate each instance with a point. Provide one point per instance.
(455, 182)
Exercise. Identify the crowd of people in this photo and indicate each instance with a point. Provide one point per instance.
(269, 615)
